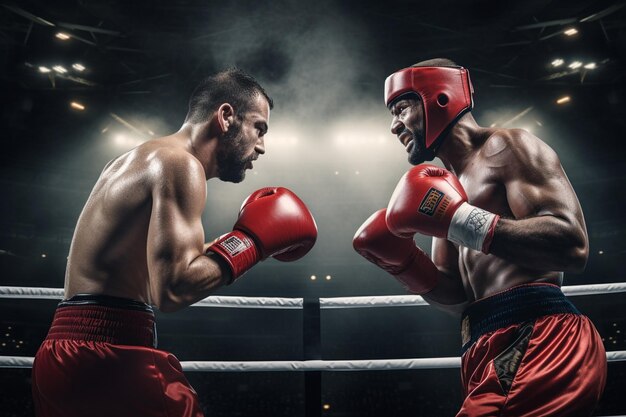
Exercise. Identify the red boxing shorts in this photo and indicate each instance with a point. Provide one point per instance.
(529, 352)
(99, 359)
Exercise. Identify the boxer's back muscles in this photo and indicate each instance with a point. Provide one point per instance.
(518, 176)
(130, 219)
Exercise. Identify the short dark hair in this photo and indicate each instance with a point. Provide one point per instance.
(436, 62)
(232, 86)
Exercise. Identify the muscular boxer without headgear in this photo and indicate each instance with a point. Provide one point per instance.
(506, 224)
(139, 242)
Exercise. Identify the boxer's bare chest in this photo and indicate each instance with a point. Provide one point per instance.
(485, 274)
(484, 189)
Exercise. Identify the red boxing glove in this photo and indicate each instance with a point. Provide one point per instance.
(397, 255)
(272, 221)
(430, 200)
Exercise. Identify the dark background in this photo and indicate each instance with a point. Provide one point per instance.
(324, 64)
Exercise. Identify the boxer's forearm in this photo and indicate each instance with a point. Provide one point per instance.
(179, 289)
(544, 243)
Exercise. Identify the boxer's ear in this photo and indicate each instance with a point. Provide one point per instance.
(225, 116)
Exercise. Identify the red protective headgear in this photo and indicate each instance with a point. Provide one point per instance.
(446, 93)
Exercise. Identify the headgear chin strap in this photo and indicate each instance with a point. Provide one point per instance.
(446, 93)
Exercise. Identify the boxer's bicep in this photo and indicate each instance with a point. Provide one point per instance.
(547, 229)
(175, 233)
(538, 186)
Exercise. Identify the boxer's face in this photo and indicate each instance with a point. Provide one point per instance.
(408, 125)
(243, 142)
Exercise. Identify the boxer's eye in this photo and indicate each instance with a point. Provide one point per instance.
(261, 129)
(398, 110)
(401, 110)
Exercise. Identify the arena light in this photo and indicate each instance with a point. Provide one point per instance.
(563, 100)
(76, 105)
(328, 277)
(557, 62)
(128, 141)
(326, 407)
(591, 65)
(78, 67)
(63, 36)
(60, 69)
(44, 70)
(120, 139)
(313, 277)
(570, 31)
(575, 65)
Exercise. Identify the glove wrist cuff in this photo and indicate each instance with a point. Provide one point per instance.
(238, 250)
(472, 227)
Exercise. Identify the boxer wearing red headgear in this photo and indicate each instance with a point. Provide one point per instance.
(445, 94)
(506, 224)
(139, 242)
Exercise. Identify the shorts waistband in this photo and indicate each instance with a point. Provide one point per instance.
(513, 306)
(103, 318)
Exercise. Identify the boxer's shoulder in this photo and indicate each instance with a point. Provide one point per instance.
(170, 164)
(506, 141)
(168, 156)
(513, 149)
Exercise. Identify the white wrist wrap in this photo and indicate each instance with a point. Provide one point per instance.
(469, 226)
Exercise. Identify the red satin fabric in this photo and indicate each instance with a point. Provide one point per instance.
(562, 372)
(76, 374)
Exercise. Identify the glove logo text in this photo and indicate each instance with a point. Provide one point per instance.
(429, 204)
(234, 246)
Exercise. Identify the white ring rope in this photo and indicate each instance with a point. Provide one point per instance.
(373, 301)
(416, 300)
(593, 289)
(296, 303)
(321, 365)
(32, 293)
(312, 365)
(250, 302)
(212, 301)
